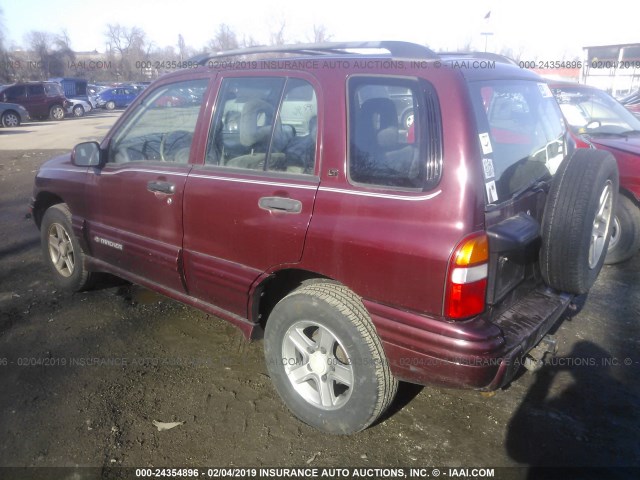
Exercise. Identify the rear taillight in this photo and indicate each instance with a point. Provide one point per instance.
(467, 278)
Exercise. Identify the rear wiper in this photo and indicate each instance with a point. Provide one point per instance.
(538, 184)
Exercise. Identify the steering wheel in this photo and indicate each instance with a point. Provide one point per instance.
(177, 150)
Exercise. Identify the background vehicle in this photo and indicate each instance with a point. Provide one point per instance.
(74, 88)
(12, 115)
(41, 99)
(632, 102)
(78, 107)
(597, 120)
(118, 97)
(363, 255)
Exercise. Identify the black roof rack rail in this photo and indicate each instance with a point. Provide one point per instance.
(395, 49)
(482, 55)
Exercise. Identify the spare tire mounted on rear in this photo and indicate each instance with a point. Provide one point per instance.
(577, 220)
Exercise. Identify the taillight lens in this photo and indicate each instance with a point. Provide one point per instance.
(467, 279)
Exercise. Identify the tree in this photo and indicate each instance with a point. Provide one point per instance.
(320, 34)
(277, 36)
(6, 70)
(52, 53)
(182, 47)
(126, 47)
(224, 39)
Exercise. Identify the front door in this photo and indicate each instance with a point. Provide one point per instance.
(136, 198)
(248, 207)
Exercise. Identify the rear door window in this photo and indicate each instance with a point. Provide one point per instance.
(521, 135)
(35, 90)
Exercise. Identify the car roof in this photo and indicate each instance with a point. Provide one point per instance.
(500, 67)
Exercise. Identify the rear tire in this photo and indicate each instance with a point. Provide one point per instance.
(56, 113)
(577, 220)
(62, 251)
(625, 235)
(326, 359)
(78, 111)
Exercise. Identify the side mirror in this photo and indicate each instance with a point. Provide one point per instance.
(87, 154)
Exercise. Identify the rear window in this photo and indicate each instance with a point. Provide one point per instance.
(521, 134)
(53, 89)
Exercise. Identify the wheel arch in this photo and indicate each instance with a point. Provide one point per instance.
(274, 288)
(630, 195)
(44, 201)
(9, 110)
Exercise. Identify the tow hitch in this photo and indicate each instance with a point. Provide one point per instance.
(534, 360)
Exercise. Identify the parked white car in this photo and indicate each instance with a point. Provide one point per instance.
(78, 107)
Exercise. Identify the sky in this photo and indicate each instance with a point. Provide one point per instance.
(543, 29)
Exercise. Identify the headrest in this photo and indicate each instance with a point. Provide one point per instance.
(255, 122)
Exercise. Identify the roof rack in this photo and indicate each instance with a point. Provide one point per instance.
(483, 55)
(395, 49)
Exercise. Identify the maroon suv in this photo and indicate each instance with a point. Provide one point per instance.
(41, 99)
(285, 194)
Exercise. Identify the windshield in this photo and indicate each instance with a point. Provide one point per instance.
(521, 135)
(592, 111)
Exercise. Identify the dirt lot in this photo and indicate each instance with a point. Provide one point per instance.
(84, 376)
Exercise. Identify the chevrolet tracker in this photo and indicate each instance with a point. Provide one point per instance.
(417, 221)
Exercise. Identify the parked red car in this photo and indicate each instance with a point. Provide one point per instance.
(363, 258)
(41, 99)
(597, 120)
(632, 102)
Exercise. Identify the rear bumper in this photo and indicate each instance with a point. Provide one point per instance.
(475, 353)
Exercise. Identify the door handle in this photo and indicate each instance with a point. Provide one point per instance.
(280, 204)
(161, 187)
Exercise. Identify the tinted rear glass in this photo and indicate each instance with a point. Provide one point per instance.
(521, 134)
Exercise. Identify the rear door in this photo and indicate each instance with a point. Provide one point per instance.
(248, 206)
(37, 100)
(136, 198)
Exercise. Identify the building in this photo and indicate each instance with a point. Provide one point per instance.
(614, 68)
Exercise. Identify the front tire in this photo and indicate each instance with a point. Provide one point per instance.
(10, 119)
(625, 237)
(326, 359)
(62, 251)
(78, 111)
(110, 105)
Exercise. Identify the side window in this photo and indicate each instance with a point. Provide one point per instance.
(388, 133)
(162, 127)
(33, 90)
(54, 89)
(14, 93)
(267, 123)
